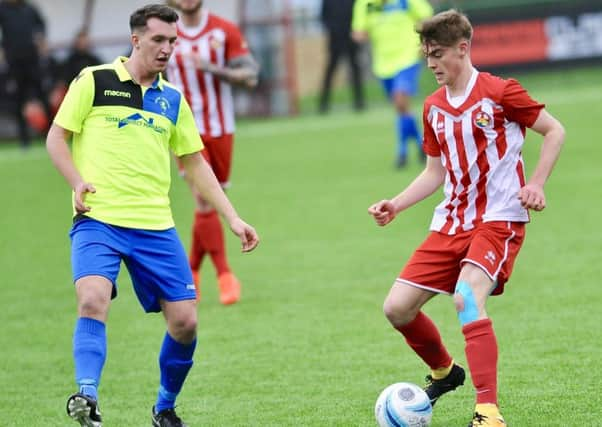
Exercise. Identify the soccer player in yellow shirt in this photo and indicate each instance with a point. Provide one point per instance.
(123, 120)
(389, 25)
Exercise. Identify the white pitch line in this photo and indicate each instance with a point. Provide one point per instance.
(13, 154)
(308, 124)
(384, 115)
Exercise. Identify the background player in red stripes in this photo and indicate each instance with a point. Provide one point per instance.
(210, 56)
(474, 129)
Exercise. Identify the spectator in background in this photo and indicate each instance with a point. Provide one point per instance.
(211, 56)
(336, 17)
(50, 75)
(389, 26)
(79, 57)
(23, 34)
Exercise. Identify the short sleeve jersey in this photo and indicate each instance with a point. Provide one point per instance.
(216, 41)
(391, 28)
(122, 135)
(479, 137)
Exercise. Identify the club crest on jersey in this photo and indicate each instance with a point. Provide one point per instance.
(163, 104)
(440, 127)
(483, 120)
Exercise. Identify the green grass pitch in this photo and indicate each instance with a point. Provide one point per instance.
(308, 344)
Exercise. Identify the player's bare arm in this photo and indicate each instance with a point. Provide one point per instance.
(60, 155)
(359, 36)
(532, 194)
(425, 184)
(204, 182)
(241, 71)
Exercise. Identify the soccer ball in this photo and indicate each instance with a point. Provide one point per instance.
(403, 405)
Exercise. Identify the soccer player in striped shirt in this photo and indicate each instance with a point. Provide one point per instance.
(210, 56)
(474, 130)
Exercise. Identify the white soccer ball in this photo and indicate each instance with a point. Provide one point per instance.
(403, 405)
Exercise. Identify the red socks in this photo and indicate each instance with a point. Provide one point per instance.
(197, 252)
(208, 236)
(481, 349)
(422, 335)
(481, 355)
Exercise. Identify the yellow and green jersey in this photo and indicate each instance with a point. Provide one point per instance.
(122, 136)
(390, 25)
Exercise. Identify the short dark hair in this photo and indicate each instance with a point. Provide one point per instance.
(445, 28)
(139, 18)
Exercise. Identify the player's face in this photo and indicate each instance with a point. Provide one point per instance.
(155, 45)
(189, 6)
(445, 61)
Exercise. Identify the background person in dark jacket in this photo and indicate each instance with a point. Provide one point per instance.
(79, 57)
(336, 16)
(23, 32)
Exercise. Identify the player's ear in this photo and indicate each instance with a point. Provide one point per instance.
(135, 41)
(463, 47)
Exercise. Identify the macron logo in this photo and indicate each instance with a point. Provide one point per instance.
(119, 93)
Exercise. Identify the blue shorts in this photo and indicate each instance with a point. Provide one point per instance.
(406, 81)
(156, 260)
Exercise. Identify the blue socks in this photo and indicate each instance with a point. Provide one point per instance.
(407, 128)
(175, 360)
(89, 354)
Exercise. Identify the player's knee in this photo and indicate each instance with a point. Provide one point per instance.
(188, 326)
(93, 296)
(91, 303)
(402, 103)
(92, 307)
(183, 328)
(204, 206)
(466, 304)
(388, 310)
(402, 108)
(397, 314)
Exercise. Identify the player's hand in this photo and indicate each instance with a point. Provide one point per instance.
(79, 196)
(383, 212)
(199, 63)
(531, 196)
(247, 234)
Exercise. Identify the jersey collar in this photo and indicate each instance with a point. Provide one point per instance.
(124, 75)
(456, 101)
(191, 33)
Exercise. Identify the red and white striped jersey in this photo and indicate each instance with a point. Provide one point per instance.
(218, 41)
(479, 137)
